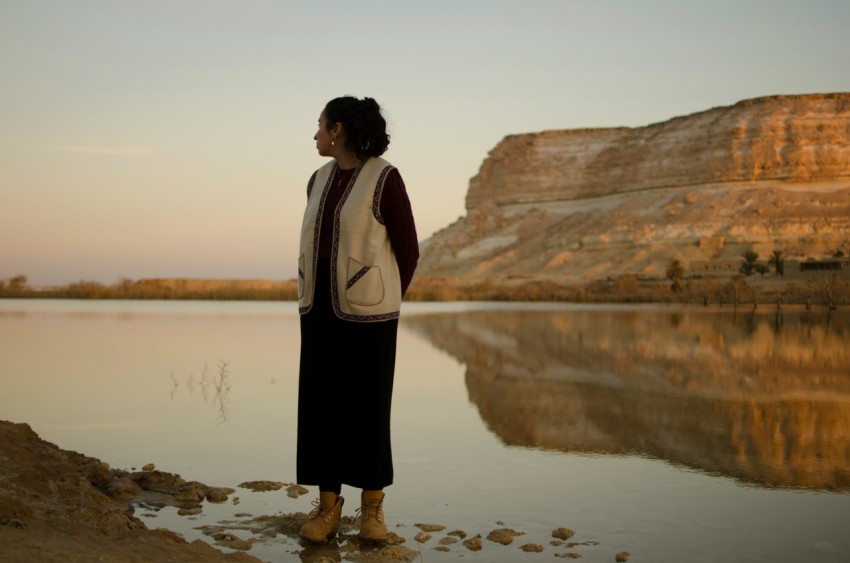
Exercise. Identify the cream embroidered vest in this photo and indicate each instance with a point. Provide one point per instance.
(365, 281)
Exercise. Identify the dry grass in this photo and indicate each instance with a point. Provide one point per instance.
(176, 289)
(752, 290)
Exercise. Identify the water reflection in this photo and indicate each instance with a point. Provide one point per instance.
(215, 388)
(763, 398)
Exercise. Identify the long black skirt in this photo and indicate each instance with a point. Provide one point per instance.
(345, 386)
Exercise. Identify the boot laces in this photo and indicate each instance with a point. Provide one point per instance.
(320, 511)
(374, 509)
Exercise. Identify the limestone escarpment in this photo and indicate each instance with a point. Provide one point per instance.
(577, 205)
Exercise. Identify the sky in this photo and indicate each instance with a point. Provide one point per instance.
(174, 138)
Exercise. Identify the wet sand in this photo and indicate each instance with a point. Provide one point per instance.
(58, 505)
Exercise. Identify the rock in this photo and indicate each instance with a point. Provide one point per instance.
(386, 554)
(191, 492)
(430, 527)
(568, 555)
(295, 491)
(448, 540)
(442, 548)
(159, 481)
(261, 486)
(354, 542)
(563, 533)
(473, 543)
(578, 543)
(189, 511)
(392, 537)
(532, 548)
(148, 467)
(194, 491)
(622, 556)
(457, 533)
(504, 536)
(232, 541)
(556, 543)
(243, 545)
(122, 488)
(218, 494)
(422, 537)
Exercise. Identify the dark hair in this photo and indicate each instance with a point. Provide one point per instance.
(365, 127)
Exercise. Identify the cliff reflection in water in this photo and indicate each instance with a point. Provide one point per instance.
(763, 398)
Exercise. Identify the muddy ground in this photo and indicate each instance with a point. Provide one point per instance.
(58, 505)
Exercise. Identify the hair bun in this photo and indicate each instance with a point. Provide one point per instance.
(365, 127)
(369, 105)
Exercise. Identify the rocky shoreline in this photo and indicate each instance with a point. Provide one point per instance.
(59, 505)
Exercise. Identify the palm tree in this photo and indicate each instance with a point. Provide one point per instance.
(749, 265)
(675, 273)
(777, 262)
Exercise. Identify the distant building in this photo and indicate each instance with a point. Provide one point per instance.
(715, 267)
(806, 269)
(797, 270)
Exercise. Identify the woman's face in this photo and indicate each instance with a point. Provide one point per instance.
(323, 137)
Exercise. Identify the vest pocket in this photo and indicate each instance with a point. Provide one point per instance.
(301, 276)
(364, 284)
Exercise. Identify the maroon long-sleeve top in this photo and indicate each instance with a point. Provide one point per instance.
(397, 216)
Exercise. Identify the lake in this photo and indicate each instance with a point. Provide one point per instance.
(673, 433)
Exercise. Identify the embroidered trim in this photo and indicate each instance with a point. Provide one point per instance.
(379, 191)
(335, 243)
(310, 183)
(316, 228)
(360, 273)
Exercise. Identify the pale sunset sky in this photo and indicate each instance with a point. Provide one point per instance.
(174, 138)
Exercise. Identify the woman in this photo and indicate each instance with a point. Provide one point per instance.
(358, 254)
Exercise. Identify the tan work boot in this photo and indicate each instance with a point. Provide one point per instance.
(323, 521)
(372, 527)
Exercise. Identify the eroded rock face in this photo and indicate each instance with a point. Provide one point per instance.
(579, 205)
(788, 138)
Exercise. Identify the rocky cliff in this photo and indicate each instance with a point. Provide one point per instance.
(585, 204)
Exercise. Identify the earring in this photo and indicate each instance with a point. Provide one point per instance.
(332, 141)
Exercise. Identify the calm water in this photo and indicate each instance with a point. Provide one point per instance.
(675, 434)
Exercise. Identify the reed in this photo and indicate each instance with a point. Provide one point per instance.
(145, 289)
